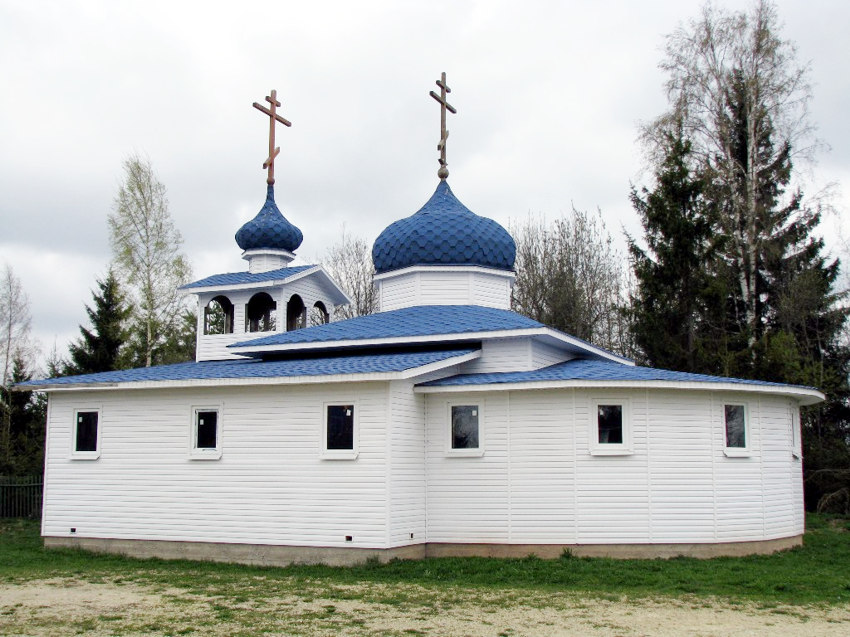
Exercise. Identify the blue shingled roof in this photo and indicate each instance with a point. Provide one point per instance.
(423, 320)
(443, 232)
(591, 370)
(254, 368)
(269, 229)
(235, 278)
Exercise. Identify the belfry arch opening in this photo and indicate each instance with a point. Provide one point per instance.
(296, 313)
(319, 314)
(260, 313)
(218, 316)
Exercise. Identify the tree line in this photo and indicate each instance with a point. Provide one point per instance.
(729, 276)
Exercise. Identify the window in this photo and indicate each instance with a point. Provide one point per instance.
(218, 316)
(465, 433)
(260, 313)
(736, 430)
(340, 431)
(85, 444)
(610, 428)
(206, 433)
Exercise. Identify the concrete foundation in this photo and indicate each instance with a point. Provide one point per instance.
(272, 555)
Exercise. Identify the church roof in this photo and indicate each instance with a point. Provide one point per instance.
(422, 320)
(610, 373)
(349, 366)
(443, 232)
(584, 369)
(238, 278)
(269, 230)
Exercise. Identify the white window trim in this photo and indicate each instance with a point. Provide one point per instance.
(597, 448)
(339, 454)
(86, 455)
(746, 450)
(204, 454)
(465, 453)
(796, 433)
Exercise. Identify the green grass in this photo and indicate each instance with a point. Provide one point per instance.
(817, 573)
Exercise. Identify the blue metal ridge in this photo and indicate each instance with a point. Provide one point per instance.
(592, 370)
(235, 278)
(255, 368)
(423, 320)
(443, 232)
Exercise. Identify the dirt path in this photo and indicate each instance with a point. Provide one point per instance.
(68, 606)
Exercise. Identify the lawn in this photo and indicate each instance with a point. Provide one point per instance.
(816, 573)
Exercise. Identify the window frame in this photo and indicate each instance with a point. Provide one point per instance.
(736, 452)
(598, 448)
(476, 452)
(796, 433)
(86, 455)
(204, 453)
(340, 454)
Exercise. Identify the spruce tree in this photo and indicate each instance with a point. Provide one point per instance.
(675, 304)
(99, 348)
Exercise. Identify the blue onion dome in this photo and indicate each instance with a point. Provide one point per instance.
(269, 229)
(443, 232)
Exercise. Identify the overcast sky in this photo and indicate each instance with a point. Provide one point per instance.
(549, 98)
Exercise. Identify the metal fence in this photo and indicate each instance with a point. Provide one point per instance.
(20, 497)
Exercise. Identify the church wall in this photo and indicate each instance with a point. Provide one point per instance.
(539, 482)
(270, 485)
(543, 355)
(445, 286)
(501, 355)
(406, 473)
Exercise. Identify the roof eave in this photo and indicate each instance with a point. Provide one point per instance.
(804, 395)
(409, 373)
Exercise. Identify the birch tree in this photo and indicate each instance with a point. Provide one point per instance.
(146, 247)
(732, 83)
(15, 349)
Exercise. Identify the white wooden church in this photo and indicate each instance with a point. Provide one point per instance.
(444, 424)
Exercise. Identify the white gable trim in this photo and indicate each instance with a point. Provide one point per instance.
(339, 297)
(509, 274)
(272, 380)
(558, 339)
(804, 395)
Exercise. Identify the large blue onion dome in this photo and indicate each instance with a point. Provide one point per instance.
(269, 229)
(443, 232)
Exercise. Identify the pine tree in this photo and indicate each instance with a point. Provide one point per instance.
(99, 348)
(675, 305)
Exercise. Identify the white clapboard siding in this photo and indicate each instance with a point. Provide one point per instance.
(680, 439)
(269, 487)
(542, 467)
(543, 355)
(612, 492)
(406, 474)
(542, 484)
(467, 498)
(505, 354)
(445, 286)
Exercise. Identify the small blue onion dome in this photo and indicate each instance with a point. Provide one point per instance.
(269, 229)
(443, 232)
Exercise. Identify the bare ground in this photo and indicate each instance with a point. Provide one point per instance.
(65, 606)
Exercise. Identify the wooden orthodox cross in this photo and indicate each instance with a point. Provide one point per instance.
(273, 116)
(444, 133)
